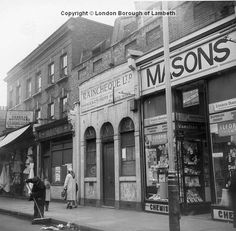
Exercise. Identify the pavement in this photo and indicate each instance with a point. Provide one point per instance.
(109, 219)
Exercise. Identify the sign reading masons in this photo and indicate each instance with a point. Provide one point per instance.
(16, 119)
(95, 93)
(204, 59)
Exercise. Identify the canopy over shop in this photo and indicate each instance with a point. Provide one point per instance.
(17, 157)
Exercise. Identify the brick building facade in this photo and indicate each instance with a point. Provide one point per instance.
(106, 104)
(42, 83)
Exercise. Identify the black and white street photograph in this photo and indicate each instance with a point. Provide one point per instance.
(118, 115)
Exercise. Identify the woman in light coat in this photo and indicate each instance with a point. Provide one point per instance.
(70, 186)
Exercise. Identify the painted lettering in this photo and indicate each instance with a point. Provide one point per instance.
(225, 50)
(201, 53)
(197, 59)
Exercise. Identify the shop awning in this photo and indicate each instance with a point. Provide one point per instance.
(12, 136)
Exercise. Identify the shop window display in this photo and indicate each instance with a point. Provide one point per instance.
(156, 169)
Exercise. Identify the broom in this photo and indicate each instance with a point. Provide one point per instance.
(41, 219)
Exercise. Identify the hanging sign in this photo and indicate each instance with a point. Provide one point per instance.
(16, 119)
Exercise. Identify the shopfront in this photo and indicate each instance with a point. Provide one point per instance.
(204, 106)
(55, 153)
(109, 141)
(18, 157)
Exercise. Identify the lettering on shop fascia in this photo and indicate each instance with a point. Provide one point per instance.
(221, 214)
(195, 62)
(158, 208)
(54, 131)
(109, 91)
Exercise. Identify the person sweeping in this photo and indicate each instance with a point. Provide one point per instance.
(38, 196)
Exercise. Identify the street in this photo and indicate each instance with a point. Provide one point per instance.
(10, 223)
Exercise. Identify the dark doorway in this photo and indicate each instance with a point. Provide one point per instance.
(108, 174)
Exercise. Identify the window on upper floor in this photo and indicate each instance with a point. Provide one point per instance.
(18, 94)
(38, 82)
(37, 115)
(63, 107)
(51, 111)
(97, 65)
(132, 46)
(153, 37)
(81, 73)
(51, 76)
(64, 65)
(28, 88)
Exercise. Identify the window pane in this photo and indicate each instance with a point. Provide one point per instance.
(56, 158)
(67, 156)
(90, 168)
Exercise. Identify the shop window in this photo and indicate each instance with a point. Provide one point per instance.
(222, 110)
(51, 77)
(61, 156)
(154, 109)
(90, 152)
(127, 148)
(64, 65)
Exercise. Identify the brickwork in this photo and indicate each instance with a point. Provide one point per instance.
(190, 17)
(70, 39)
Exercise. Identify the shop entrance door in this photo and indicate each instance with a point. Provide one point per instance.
(192, 147)
(108, 174)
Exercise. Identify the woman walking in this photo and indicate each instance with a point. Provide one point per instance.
(70, 186)
(48, 193)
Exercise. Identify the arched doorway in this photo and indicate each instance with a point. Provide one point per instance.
(108, 172)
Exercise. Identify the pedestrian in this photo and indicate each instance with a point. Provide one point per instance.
(38, 195)
(232, 190)
(70, 187)
(48, 193)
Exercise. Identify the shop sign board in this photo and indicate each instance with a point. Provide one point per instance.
(155, 129)
(96, 93)
(227, 128)
(194, 62)
(222, 105)
(57, 173)
(16, 119)
(224, 116)
(158, 208)
(157, 119)
(157, 138)
(223, 214)
(190, 98)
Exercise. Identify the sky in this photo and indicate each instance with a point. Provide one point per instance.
(27, 23)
